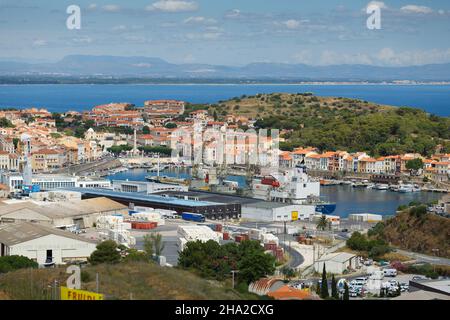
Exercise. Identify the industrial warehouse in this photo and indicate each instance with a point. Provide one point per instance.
(214, 206)
(211, 210)
(45, 245)
(63, 214)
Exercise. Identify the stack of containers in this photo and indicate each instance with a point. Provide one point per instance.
(188, 233)
(268, 237)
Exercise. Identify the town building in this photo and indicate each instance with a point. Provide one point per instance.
(337, 262)
(164, 108)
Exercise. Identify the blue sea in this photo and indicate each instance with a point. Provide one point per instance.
(58, 98)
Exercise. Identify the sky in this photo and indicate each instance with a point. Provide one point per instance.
(230, 32)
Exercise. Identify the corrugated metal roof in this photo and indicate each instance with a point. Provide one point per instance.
(337, 257)
(64, 209)
(142, 197)
(16, 233)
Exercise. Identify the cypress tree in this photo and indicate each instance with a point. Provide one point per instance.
(346, 295)
(334, 290)
(324, 287)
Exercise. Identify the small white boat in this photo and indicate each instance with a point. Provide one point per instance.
(359, 185)
(405, 188)
(381, 186)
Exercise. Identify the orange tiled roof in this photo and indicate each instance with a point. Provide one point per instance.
(289, 293)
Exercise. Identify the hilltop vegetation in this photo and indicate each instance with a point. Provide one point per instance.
(330, 123)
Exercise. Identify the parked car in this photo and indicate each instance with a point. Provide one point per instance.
(344, 230)
(368, 262)
(354, 293)
(418, 278)
(404, 287)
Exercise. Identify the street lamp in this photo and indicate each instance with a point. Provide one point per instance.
(233, 272)
(434, 265)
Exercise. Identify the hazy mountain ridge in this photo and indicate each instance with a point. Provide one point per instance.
(86, 65)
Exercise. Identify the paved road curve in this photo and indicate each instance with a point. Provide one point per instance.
(296, 258)
(425, 258)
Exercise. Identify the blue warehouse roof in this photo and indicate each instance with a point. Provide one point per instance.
(143, 197)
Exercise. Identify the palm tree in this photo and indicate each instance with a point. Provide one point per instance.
(157, 243)
(322, 223)
(148, 246)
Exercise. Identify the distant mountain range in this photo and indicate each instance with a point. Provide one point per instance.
(145, 67)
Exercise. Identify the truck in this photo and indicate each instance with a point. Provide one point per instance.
(390, 272)
(196, 217)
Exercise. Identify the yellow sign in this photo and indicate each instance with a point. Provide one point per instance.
(294, 215)
(73, 294)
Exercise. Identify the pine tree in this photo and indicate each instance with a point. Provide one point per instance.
(324, 294)
(346, 295)
(334, 290)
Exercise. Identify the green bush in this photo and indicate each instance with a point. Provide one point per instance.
(106, 252)
(86, 276)
(11, 263)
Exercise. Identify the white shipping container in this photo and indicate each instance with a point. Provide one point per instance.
(270, 238)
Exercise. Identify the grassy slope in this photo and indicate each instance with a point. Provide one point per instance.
(144, 281)
(419, 234)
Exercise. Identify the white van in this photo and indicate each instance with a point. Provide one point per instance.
(390, 272)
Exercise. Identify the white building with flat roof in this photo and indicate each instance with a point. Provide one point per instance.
(146, 187)
(337, 262)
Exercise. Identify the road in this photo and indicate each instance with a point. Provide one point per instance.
(425, 258)
(296, 258)
(103, 164)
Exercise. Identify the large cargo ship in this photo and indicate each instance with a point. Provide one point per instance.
(291, 186)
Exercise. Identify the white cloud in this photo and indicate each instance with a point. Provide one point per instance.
(82, 40)
(39, 43)
(441, 12)
(329, 57)
(291, 24)
(235, 13)
(200, 20)
(379, 4)
(384, 57)
(111, 8)
(142, 65)
(388, 56)
(92, 6)
(204, 36)
(137, 39)
(173, 6)
(411, 8)
(119, 28)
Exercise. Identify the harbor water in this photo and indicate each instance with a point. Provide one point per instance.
(348, 200)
